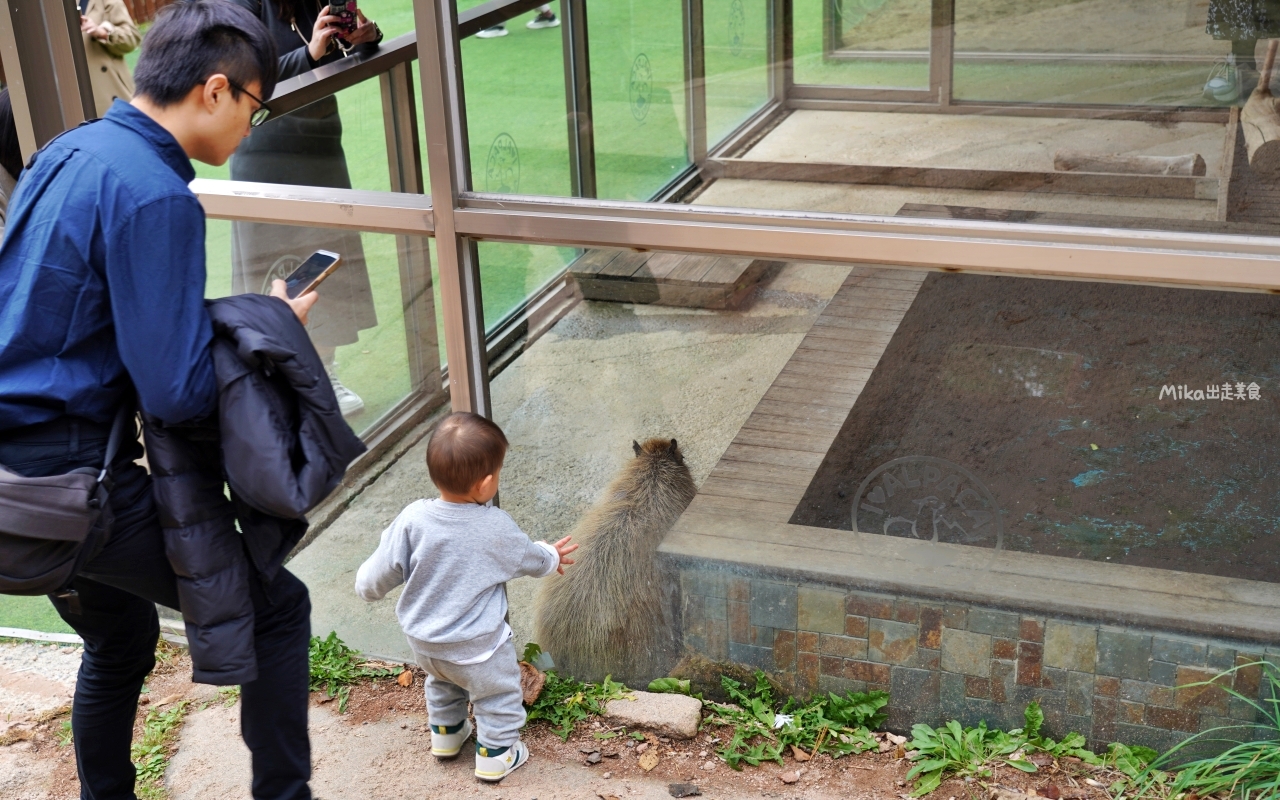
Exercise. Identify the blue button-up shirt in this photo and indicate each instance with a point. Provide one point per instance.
(102, 275)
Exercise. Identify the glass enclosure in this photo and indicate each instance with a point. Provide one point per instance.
(961, 312)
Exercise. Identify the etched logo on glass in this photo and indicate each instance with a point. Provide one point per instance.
(281, 269)
(502, 170)
(640, 87)
(737, 27)
(920, 497)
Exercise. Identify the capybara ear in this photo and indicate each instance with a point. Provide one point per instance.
(635, 446)
(672, 448)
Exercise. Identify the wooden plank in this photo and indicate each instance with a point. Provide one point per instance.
(766, 420)
(1228, 163)
(893, 315)
(830, 337)
(752, 490)
(625, 265)
(762, 473)
(660, 265)
(838, 357)
(889, 284)
(821, 418)
(811, 397)
(798, 459)
(730, 270)
(815, 382)
(593, 261)
(741, 508)
(855, 303)
(990, 180)
(691, 270)
(810, 441)
(857, 324)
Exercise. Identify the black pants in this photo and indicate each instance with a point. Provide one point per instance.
(118, 591)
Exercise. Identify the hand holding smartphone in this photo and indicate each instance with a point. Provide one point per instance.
(311, 273)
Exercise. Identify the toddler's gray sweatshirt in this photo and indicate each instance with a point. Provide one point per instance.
(453, 560)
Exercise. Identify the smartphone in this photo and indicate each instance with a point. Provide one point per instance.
(311, 273)
(344, 10)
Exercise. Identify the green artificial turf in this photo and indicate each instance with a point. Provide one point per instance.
(30, 613)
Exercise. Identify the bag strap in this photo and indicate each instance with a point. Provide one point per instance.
(113, 441)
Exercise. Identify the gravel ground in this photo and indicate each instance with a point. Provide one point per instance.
(35, 679)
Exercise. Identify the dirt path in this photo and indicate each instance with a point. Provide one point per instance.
(380, 750)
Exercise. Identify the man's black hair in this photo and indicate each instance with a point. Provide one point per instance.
(195, 39)
(10, 155)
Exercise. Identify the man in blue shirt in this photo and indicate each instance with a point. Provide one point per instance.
(102, 276)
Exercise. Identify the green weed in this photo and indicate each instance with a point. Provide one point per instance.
(229, 695)
(972, 752)
(65, 735)
(150, 755)
(336, 667)
(1248, 769)
(564, 701)
(761, 730)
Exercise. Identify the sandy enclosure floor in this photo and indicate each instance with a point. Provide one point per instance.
(977, 141)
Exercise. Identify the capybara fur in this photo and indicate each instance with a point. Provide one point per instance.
(609, 613)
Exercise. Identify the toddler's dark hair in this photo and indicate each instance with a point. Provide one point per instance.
(464, 448)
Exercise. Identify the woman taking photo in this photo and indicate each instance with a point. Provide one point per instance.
(304, 148)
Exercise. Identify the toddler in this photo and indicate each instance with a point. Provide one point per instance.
(454, 556)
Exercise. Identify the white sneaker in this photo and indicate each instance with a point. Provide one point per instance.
(545, 19)
(492, 33)
(447, 740)
(494, 766)
(349, 403)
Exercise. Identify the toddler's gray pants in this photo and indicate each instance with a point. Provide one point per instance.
(493, 687)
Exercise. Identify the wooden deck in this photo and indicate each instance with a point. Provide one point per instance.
(668, 279)
(739, 519)
(765, 471)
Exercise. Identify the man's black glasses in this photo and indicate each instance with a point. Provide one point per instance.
(260, 116)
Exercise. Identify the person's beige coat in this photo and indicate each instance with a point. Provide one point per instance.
(107, 71)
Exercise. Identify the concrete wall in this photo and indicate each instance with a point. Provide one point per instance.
(943, 661)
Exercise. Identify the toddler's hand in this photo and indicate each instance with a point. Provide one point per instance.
(564, 548)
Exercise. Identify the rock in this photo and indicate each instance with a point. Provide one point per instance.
(608, 775)
(789, 777)
(640, 748)
(798, 754)
(531, 682)
(594, 758)
(670, 715)
(683, 790)
(707, 767)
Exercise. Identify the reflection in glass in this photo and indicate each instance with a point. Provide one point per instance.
(380, 363)
(862, 43)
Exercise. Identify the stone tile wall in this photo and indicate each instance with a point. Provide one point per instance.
(944, 661)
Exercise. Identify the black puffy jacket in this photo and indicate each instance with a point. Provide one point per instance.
(281, 445)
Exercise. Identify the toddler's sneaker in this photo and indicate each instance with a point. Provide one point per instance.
(447, 740)
(496, 763)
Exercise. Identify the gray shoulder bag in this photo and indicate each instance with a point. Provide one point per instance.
(51, 526)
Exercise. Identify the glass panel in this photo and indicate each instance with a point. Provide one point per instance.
(865, 43)
(1118, 424)
(1159, 52)
(374, 327)
(735, 37)
(516, 109)
(637, 90)
(512, 273)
